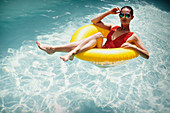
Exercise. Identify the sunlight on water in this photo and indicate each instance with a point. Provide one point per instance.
(32, 81)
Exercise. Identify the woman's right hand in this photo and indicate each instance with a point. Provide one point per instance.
(115, 10)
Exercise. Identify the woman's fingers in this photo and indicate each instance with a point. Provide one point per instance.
(125, 45)
(119, 9)
(115, 10)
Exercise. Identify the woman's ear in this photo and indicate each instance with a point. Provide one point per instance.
(132, 17)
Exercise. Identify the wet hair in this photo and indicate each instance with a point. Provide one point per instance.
(128, 7)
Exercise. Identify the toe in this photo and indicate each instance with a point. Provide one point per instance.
(62, 58)
(37, 43)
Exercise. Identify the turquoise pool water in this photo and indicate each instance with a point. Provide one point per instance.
(33, 82)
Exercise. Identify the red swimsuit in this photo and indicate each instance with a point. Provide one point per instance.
(116, 43)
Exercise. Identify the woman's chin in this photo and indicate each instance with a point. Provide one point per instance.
(125, 23)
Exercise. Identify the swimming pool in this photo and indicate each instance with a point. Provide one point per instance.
(32, 81)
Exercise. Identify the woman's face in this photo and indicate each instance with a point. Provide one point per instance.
(125, 14)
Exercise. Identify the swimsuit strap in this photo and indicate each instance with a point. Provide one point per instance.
(128, 35)
(114, 28)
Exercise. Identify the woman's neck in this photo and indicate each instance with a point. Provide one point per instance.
(125, 27)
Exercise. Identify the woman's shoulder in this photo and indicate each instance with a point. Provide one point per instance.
(134, 36)
(114, 26)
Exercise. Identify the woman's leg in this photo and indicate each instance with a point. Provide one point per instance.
(73, 48)
(88, 43)
(63, 48)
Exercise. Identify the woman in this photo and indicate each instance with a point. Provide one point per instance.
(118, 36)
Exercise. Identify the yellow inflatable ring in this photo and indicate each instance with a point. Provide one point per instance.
(100, 55)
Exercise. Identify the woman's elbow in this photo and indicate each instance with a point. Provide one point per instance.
(144, 54)
(147, 55)
(93, 21)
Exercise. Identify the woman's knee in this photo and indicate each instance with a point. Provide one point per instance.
(95, 36)
(99, 35)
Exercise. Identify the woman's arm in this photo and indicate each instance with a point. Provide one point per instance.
(97, 20)
(140, 48)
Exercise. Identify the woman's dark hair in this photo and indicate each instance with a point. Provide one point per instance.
(128, 7)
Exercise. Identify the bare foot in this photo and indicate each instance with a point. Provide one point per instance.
(47, 48)
(67, 57)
